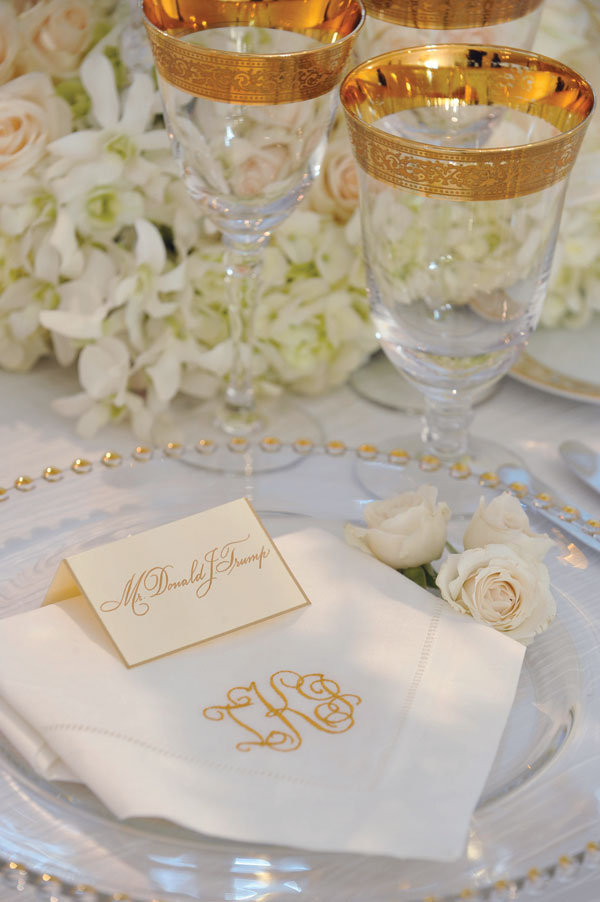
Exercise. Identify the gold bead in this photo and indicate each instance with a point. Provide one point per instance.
(519, 489)
(24, 483)
(429, 463)
(335, 448)
(460, 470)
(489, 480)
(205, 446)
(270, 443)
(81, 465)
(112, 459)
(592, 525)
(367, 452)
(398, 456)
(303, 445)
(4, 496)
(543, 500)
(238, 444)
(142, 453)
(568, 513)
(174, 449)
(52, 474)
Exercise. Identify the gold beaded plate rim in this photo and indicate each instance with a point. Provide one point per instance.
(456, 172)
(250, 78)
(562, 868)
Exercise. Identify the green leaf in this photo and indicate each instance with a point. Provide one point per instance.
(430, 575)
(417, 575)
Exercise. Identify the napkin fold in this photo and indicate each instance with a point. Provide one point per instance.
(367, 722)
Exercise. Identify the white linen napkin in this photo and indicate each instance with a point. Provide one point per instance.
(383, 747)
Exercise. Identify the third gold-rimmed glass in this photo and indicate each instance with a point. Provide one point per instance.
(249, 91)
(458, 241)
(396, 24)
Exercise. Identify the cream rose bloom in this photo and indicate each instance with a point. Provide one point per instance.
(56, 34)
(259, 170)
(31, 115)
(336, 190)
(505, 522)
(9, 42)
(501, 588)
(403, 531)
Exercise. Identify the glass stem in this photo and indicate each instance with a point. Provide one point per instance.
(446, 426)
(243, 278)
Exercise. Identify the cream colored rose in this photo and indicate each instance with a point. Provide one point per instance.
(55, 35)
(253, 175)
(336, 190)
(9, 42)
(501, 588)
(31, 115)
(404, 531)
(505, 522)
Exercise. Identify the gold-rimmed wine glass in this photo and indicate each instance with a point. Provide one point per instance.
(397, 24)
(249, 91)
(458, 241)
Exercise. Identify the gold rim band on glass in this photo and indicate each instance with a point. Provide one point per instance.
(477, 75)
(248, 78)
(445, 14)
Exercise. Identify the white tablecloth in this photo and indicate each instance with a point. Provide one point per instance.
(32, 436)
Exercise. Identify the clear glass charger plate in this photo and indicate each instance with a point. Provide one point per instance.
(537, 824)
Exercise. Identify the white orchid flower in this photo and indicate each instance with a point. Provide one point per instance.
(149, 291)
(103, 155)
(104, 370)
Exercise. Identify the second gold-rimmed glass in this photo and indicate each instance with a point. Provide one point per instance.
(397, 24)
(458, 241)
(249, 91)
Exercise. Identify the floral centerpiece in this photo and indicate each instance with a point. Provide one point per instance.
(104, 262)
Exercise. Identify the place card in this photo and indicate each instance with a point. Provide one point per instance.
(182, 583)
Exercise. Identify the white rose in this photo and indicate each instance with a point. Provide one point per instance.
(56, 34)
(31, 115)
(336, 190)
(9, 42)
(404, 531)
(499, 587)
(259, 170)
(504, 522)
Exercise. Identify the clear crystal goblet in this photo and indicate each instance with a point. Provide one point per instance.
(394, 25)
(249, 91)
(458, 241)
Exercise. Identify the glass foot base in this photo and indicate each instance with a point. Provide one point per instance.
(237, 445)
(379, 382)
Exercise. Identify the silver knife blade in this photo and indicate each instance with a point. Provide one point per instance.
(582, 461)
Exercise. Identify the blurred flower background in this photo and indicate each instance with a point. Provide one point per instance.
(106, 265)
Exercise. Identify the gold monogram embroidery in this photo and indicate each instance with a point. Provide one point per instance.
(270, 724)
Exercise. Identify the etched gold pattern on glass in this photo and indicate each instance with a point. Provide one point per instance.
(250, 78)
(478, 75)
(445, 14)
(279, 726)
